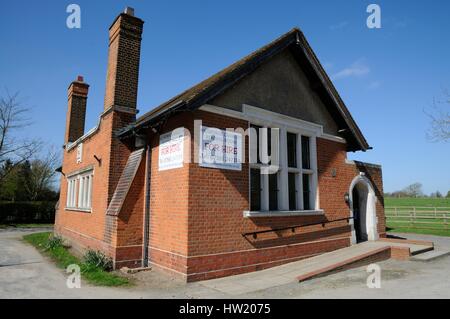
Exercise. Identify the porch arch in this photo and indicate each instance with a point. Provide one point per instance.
(366, 201)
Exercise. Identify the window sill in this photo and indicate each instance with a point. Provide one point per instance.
(283, 213)
(76, 209)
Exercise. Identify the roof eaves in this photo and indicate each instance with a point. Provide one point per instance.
(328, 84)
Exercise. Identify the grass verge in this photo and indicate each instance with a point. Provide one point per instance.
(62, 257)
(436, 232)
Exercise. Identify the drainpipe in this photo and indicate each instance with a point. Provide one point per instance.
(146, 206)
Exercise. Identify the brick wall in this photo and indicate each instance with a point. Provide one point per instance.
(196, 213)
(118, 236)
(89, 225)
(202, 238)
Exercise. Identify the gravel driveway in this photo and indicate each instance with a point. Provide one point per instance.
(24, 273)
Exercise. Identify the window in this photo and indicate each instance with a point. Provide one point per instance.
(306, 192)
(264, 187)
(273, 191)
(79, 191)
(255, 191)
(307, 173)
(306, 159)
(292, 191)
(292, 187)
(292, 149)
(71, 192)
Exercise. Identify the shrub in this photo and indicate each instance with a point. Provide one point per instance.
(54, 242)
(97, 259)
(27, 212)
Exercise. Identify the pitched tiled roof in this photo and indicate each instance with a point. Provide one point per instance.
(124, 184)
(206, 90)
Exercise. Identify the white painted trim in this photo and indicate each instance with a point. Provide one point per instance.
(261, 116)
(92, 131)
(281, 119)
(80, 171)
(333, 138)
(223, 111)
(370, 213)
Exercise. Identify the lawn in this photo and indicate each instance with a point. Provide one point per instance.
(436, 232)
(63, 258)
(417, 202)
(431, 208)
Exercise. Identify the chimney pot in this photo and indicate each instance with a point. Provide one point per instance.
(129, 11)
(80, 78)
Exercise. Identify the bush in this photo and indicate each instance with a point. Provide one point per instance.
(97, 259)
(27, 212)
(54, 242)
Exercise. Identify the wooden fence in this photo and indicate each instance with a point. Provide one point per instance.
(418, 217)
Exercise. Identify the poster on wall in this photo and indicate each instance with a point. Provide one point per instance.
(171, 146)
(220, 149)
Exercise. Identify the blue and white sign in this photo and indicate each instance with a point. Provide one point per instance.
(220, 149)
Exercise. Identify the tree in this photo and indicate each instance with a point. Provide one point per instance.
(8, 187)
(13, 117)
(439, 119)
(413, 190)
(40, 180)
(448, 194)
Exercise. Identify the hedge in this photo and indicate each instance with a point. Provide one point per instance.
(27, 212)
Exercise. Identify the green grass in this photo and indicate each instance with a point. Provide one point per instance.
(63, 258)
(26, 225)
(436, 232)
(418, 202)
(426, 205)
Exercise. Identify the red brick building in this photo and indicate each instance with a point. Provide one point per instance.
(194, 186)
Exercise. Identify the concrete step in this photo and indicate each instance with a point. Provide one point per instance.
(431, 255)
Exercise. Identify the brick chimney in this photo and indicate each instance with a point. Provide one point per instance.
(123, 61)
(76, 111)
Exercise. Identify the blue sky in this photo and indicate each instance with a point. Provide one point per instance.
(385, 76)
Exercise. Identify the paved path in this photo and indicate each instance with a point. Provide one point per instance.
(288, 273)
(24, 273)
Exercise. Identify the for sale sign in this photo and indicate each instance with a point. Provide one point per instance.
(220, 149)
(171, 146)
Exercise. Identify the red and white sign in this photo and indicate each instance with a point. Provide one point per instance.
(220, 149)
(171, 147)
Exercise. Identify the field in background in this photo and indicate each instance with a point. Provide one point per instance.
(418, 215)
(422, 202)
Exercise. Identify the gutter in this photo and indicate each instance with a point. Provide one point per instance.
(135, 127)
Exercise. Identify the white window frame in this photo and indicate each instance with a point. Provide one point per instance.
(79, 190)
(264, 118)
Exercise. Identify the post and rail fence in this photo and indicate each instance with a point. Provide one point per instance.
(418, 217)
